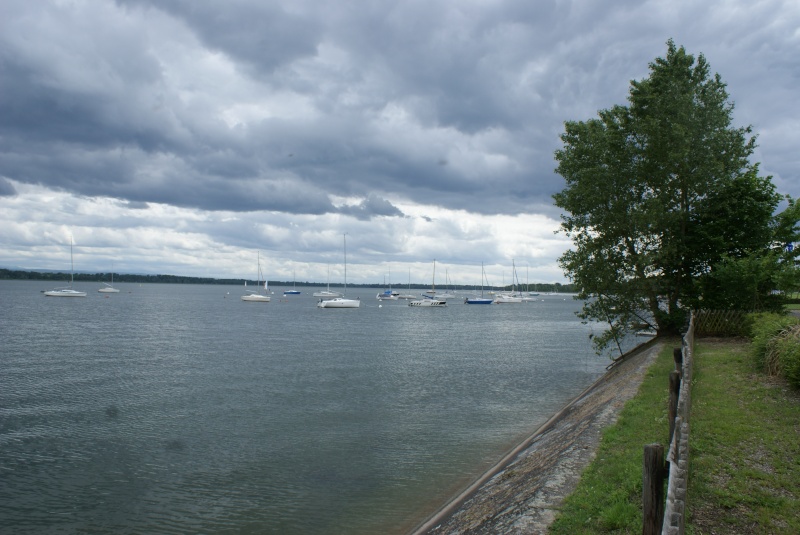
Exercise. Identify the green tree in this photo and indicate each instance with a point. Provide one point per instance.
(658, 193)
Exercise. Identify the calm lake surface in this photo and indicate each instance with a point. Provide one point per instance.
(182, 409)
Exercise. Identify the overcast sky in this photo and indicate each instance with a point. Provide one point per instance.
(183, 136)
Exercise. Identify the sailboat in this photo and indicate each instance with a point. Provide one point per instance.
(528, 296)
(512, 297)
(294, 290)
(68, 291)
(253, 296)
(388, 295)
(432, 292)
(479, 300)
(428, 298)
(109, 288)
(447, 294)
(327, 294)
(408, 295)
(341, 302)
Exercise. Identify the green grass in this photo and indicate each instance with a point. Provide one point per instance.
(609, 496)
(744, 452)
(744, 446)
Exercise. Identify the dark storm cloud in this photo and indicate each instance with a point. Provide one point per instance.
(254, 105)
(265, 35)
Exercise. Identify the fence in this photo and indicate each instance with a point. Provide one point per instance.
(667, 516)
(719, 322)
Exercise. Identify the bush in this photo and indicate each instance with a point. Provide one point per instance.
(786, 350)
(776, 345)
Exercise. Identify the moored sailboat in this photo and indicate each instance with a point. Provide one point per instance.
(341, 302)
(253, 296)
(67, 291)
(327, 294)
(479, 300)
(109, 287)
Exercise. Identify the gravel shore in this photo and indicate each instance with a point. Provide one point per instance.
(522, 493)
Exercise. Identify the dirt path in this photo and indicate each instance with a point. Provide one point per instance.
(522, 493)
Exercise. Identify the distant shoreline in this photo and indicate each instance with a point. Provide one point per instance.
(60, 276)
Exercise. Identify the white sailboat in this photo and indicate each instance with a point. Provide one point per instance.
(512, 297)
(341, 302)
(447, 294)
(432, 292)
(109, 288)
(253, 296)
(327, 294)
(408, 295)
(68, 291)
(528, 296)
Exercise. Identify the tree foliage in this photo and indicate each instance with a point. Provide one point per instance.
(662, 202)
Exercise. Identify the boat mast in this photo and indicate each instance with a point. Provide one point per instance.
(344, 237)
(482, 275)
(71, 264)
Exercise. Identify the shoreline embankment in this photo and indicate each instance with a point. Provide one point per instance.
(522, 492)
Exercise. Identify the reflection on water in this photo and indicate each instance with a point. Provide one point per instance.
(178, 408)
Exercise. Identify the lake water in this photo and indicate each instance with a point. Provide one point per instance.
(182, 409)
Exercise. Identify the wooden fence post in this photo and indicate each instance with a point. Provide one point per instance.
(653, 489)
(677, 356)
(674, 394)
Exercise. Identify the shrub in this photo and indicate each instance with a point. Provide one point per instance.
(786, 349)
(776, 345)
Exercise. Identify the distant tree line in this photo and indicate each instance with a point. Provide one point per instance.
(9, 274)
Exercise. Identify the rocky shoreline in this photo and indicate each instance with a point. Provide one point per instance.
(522, 493)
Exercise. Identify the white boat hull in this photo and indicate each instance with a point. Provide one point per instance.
(327, 295)
(256, 298)
(427, 303)
(108, 290)
(339, 302)
(65, 293)
(501, 299)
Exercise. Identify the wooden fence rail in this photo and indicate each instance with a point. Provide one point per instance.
(668, 516)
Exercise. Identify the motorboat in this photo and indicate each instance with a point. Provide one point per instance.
(427, 302)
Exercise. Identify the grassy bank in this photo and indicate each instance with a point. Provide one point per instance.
(744, 446)
(608, 498)
(744, 452)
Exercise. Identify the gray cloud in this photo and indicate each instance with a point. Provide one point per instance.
(276, 107)
(370, 207)
(7, 189)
